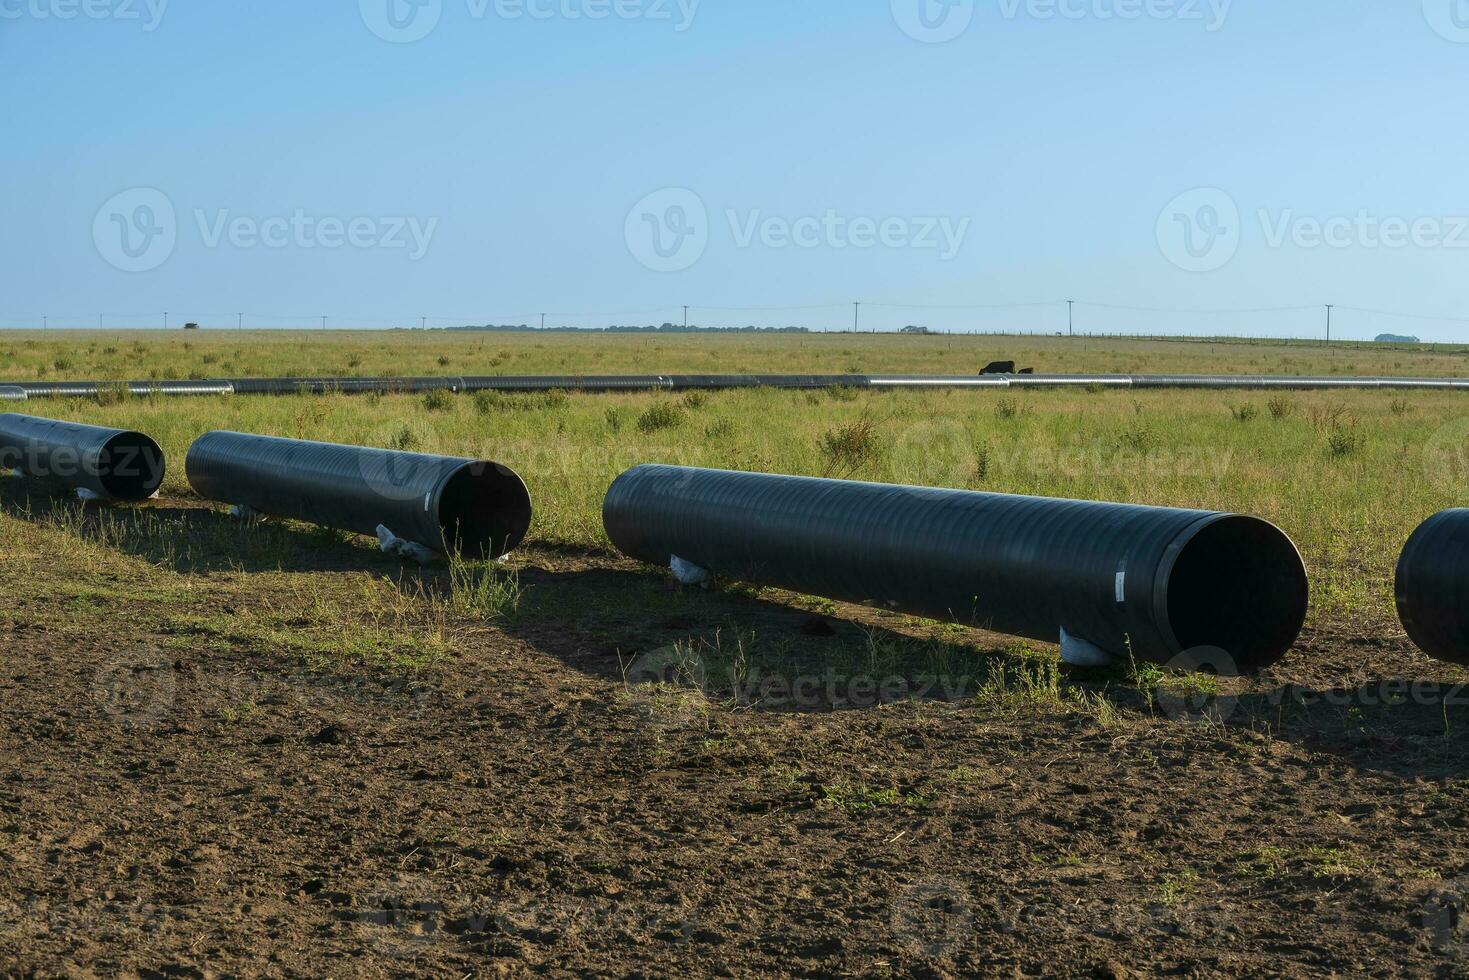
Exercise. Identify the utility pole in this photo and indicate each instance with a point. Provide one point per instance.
(165, 319)
(1070, 318)
(856, 317)
(543, 321)
(1328, 322)
(323, 323)
(239, 321)
(45, 322)
(423, 323)
(685, 317)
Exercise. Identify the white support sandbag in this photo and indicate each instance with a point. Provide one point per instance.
(688, 573)
(1083, 653)
(391, 544)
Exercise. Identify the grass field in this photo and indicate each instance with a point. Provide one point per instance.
(154, 355)
(472, 733)
(1347, 474)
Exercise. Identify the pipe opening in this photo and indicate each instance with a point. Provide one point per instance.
(1238, 586)
(130, 467)
(484, 511)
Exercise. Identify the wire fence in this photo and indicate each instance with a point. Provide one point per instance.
(1077, 317)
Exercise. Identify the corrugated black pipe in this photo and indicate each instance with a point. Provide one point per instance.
(474, 508)
(1433, 587)
(350, 386)
(114, 464)
(1191, 588)
(10, 393)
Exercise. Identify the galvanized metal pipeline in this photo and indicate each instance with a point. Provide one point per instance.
(112, 464)
(1192, 589)
(474, 508)
(1432, 587)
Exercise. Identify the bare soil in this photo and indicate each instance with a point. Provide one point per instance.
(525, 807)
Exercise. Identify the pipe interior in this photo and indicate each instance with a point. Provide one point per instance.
(130, 467)
(484, 511)
(1238, 586)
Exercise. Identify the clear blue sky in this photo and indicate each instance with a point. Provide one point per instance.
(1050, 145)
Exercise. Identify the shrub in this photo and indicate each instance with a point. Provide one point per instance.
(113, 393)
(1399, 407)
(438, 400)
(1280, 407)
(1245, 413)
(722, 429)
(1139, 437)
(848, 447)
(405, 439)
(981, 462)
(664, 415)
(695, 400)
(1332, 417)
(1345, 442)
(489, 402)
(614, 419)
(1006, 408)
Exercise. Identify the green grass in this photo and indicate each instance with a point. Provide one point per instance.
(1347, 474)
(154, 355)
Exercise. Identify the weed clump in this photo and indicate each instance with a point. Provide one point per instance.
(663, 415)
(1280, 408)
(1245, 413)
(847, 448)
(490, 402)
(438, 400)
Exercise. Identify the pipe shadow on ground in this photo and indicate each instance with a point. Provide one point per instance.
(195, 539)
(739, 649)
(735, 647)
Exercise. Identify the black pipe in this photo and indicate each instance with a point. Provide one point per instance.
(616, 383)
(350, 386)
(1432, 587)
(114, 464)
(470, 507)
(1191, 588)
(10, 393)
(570, 382)
(91, 389)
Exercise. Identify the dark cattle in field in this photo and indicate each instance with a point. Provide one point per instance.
(999, 367)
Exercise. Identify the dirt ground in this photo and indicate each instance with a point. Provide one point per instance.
(180, 809)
